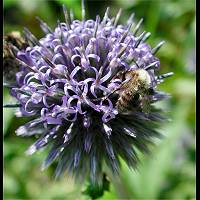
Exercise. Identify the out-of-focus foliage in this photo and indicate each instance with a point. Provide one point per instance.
(169, 173)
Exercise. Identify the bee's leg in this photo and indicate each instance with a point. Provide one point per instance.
(117, 89)
(150, 91)
(145, 104)
(104, 98)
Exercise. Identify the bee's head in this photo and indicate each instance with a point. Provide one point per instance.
(144, 76)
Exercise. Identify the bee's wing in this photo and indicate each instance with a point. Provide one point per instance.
(146, 105)
(146, 101)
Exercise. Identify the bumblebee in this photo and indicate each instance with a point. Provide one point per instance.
(134, 91)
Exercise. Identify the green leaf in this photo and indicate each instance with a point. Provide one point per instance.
(96, 191)
(9, 3)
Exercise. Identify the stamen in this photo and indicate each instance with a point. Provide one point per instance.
(117, 17)
(136, 29)
(105, 15)
(164, 75)
(86, 121)
(69, 130)
(123, 49)
(96, 25)
(28, 66)
(67, 18)
(155, 49)
(128, 132)
(133, 61)
(44, 26)
(21, 91)
(112, 20)
(61, 35)
(125, 33)
(31, 37)
(108, 129)
(130, 20)
(34, 40)
(151, 65)
(31, 150)
(83, 9)
(71, 14)
(146, 37)
(51, 65)
(139, 39)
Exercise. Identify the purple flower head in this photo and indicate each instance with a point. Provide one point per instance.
(68, 84)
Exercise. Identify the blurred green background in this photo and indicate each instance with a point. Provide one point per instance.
(169, 173)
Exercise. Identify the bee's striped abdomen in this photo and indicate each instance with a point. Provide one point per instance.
(124, 100)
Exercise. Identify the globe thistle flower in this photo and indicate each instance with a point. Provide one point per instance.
(69, 83)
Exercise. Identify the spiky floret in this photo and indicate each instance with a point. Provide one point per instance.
(66, 84)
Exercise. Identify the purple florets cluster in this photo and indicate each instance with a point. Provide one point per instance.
(63, 82)
(75, 65)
